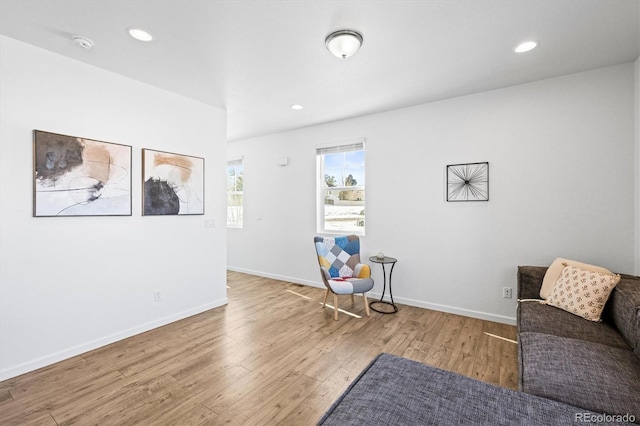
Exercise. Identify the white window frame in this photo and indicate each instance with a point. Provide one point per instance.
(231, 163)
(321, 151)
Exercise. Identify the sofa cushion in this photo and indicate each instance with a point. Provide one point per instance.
(596, 377)
(623, 310)
(582, 292)
(555, 269)
(529, 280)
(397, 391)
(540, 318)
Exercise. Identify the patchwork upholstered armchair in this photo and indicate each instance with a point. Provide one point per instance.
(341, 270)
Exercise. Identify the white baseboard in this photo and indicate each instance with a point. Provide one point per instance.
(373, 295)
(450, 309)
(277, 277)
(44, 361)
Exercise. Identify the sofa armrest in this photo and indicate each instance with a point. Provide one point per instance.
(623, 309)
(530, 281)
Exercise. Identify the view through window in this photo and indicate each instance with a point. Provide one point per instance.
(234, 193)
(341, 189)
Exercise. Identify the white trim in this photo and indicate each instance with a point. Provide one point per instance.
(330, 233)
(355, 146)
(353, 141)
(455, 310)
(44, 361)
(238, 159)
(317, 284)
(374, 295)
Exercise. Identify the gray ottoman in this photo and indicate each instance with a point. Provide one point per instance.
(397, 391)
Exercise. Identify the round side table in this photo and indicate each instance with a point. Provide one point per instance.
(385, 261)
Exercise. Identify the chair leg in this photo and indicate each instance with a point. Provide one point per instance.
(324, 302)
(335, 306)
(366, 305)
(353, 302)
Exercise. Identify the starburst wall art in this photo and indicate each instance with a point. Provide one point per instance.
(468, 182)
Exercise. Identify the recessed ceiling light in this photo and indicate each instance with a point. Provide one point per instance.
(296, 106)
(140, 34)
(526, 46)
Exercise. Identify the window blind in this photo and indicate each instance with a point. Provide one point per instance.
(235, 162)
(358, 146)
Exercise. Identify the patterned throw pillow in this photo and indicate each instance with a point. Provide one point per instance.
(555, 269)
(582, 292)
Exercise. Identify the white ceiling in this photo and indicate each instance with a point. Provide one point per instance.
(256, 58)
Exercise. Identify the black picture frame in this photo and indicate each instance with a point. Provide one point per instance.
(468, 182)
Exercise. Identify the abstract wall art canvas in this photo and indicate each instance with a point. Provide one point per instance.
(468, 182)
(76, 176)
(172, 184)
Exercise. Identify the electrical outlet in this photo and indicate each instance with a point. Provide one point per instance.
(157, 296)
(506, 292)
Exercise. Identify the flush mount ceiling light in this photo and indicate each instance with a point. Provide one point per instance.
(82, 42)
(139, 34)
(526, 46)
(344, 43)
(296, 106)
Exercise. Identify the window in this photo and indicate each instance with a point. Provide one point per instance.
(234, 193)
(341, 188)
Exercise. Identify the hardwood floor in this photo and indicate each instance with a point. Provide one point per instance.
(273, 355)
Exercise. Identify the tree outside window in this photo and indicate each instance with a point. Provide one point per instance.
(342, 189)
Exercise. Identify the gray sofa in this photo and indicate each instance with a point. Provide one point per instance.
(572, 371)
(563, 357)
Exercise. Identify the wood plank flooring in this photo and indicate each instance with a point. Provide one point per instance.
(273, 355)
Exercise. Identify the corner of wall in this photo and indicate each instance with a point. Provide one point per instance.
(637, 164)
(98, 285)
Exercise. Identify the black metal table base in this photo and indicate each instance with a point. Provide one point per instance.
(383, 261)
(395, 308)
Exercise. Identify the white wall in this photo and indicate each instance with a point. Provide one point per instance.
(561, 184)
(637, 163)
(72, 284)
